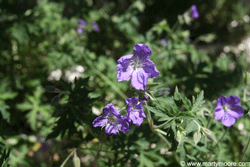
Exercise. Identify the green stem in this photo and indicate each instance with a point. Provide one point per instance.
(244, 94)
(106, 79)
(65, 161)
(222, 136)
(244, 153)
(91, 149)
(159, 133)
(149, 115)
(162, 125)
(164, 139)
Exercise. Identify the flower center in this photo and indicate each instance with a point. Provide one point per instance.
(133, 109)
(136, 63)
(112, 119)
(226, 108)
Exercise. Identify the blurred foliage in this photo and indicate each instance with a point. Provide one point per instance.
(203, 57)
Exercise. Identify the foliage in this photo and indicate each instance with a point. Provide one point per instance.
(55, 81)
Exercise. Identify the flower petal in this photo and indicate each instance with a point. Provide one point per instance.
(236, 111)
(135, 117)
(142, 51)
(221, 101)
(139, 79)
(228, 120)
(124, 70)
(132, 101)
(135, 111)
(233, 99)
(124, 59)
(112, 128)
(100, 121)
(150, 68)
(108, 109)
(218, 112)
(125, 126)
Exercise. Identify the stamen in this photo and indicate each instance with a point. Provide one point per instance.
(226, 108)
(136, 63)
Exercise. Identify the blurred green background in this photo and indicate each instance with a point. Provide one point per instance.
(39, 45)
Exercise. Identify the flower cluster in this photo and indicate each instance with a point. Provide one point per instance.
(194, 12)
(82, 24)
(95, 26)
(138, 68)
(114, 121)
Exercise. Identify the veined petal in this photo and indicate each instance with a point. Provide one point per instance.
(142, 51)
(218, 112)
(100, 121)
(140, 108)
(228, 120)
(124, 70)
(132, 101)
(233, 99)
(124, 59)
(112, 129)
(221, 101)
(124, 126)
(150, 68)
(236, 111)
(139, 79)
(135, 117)
(135, 111)
(108, 109)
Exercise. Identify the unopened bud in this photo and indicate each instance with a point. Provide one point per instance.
(76, 161)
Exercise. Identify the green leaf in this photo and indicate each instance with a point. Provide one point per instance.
(197, 104)
(55, 100)
(197, 137)
(176, 94)
(4, 112)
(210, 135)
(151, 85)
(33, 105)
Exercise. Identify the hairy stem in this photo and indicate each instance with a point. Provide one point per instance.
(222, 136)
(66, 160)
(244, 153)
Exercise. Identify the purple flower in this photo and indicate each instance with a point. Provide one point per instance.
(228, 109)
(137, 67)
(95, 26)
(164, 42)
(81, 25)
(113, 121)
(135, 110)
(194, 11)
